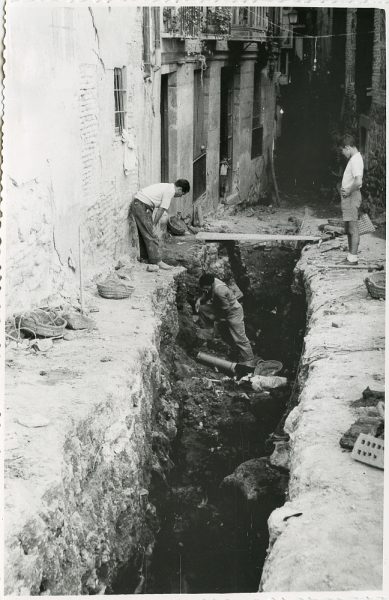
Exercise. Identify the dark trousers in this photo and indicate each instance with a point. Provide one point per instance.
(231, 330)
(148, 240)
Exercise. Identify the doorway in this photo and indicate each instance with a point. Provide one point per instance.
(199, 138)
(164, 128)
(226, 120)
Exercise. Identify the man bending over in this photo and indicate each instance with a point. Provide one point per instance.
(155, 199)
(218, 304)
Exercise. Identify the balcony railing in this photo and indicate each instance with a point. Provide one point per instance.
(248, 23)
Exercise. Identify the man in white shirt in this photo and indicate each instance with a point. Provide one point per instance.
(351, 195)
(156, 197)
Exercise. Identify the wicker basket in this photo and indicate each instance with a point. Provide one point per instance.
(176, 226)
(114, 290)
(375, 283)
(43, 323)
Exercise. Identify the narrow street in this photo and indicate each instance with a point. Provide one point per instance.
(117, 356)
(194, 348)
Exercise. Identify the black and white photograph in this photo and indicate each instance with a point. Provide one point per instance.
(193, 299)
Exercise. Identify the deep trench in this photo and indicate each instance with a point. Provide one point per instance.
(211, 535)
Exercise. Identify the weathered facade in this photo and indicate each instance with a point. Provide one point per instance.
(97, 110)
(67, 164)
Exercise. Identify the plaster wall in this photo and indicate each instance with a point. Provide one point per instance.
(65, 166)
(213, 142)
(257, 174)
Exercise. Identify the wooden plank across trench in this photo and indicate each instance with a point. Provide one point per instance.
(212, 236)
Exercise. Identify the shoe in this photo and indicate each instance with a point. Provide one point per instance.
(152, 268)
(164, 266)
(352, 263)
(248, 363)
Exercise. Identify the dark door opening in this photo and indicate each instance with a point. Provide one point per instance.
(164, 129)
(226, 119)
(338, 61)
(199, 138)
(364, 58)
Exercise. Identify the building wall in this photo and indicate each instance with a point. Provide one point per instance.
(67, 167)
(375, 158)
(64, 164)
(350, 96)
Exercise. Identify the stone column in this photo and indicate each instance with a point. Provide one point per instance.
(212, 106)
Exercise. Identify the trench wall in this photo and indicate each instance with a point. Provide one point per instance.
(76, 488)
(334, 505)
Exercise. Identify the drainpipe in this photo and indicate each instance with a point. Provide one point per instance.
(157, 35)
(146, 42)
(232, 368)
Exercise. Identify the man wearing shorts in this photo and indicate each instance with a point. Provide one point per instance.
(351, 195)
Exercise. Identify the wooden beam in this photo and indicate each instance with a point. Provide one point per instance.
(212, 236)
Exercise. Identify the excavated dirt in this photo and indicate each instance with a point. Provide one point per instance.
(188, 467)
(214, 503)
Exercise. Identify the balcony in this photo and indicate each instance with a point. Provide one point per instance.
(249, 23)
(246, 24)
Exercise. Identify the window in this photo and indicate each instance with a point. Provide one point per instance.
(120, 99)
(257, 127)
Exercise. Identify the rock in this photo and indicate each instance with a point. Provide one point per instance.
(182, 371)
(152, 268)
(281, 455)
(256, 478)
(373, 394)
(365, 424)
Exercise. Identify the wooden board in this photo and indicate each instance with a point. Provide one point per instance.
(254, 237)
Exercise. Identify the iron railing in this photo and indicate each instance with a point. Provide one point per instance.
(218, 21)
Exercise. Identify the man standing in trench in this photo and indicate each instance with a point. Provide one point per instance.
(154, 197)
(351, 195)
(218, 304)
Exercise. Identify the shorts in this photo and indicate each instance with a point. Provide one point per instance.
(350, 206)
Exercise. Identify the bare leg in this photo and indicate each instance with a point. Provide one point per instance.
(354, 235)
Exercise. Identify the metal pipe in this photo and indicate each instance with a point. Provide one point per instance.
(214, 361)
(232, 368)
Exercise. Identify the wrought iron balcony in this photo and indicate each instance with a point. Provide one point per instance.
(248, 23)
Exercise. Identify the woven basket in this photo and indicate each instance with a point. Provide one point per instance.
(375, 284)
(114, 290)
(43, 323)
(176, 226)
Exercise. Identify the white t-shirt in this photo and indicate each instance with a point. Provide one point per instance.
(353, 169)
(158, 195)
